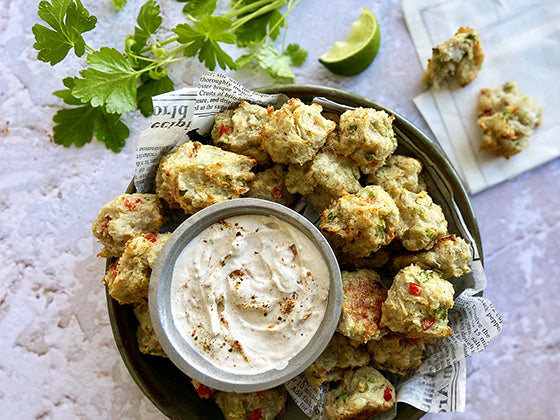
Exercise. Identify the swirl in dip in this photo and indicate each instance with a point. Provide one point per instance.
(249, 292)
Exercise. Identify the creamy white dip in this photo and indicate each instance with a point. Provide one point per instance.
(249, 292)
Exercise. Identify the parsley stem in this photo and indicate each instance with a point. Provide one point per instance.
(251, 7)
(263, 10)
(169, 40)
(271, 30)
(291, 5)
(156, 60)
(158, 63)
(174, 52)
(160, 43)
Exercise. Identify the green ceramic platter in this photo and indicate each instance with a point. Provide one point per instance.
(164, 384)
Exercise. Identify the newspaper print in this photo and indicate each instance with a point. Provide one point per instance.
(169, 125)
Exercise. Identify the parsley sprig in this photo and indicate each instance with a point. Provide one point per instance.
(116, 82)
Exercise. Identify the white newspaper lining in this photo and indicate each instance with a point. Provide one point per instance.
(439, 383)
(172, 118)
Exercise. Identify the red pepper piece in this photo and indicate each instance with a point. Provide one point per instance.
(131, 204)
(150, 237)
(387, 395)
(277, 192)
(105, 224)
(427, 323)
(224, 130)
(414, 289)
(256, 414)
(204, 392)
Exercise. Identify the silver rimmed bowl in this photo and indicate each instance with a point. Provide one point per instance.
(167, 386)
(188, 358)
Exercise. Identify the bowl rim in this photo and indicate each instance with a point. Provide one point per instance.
(137, 363)
(187, 358)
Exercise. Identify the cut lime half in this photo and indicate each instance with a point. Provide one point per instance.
(354, 55)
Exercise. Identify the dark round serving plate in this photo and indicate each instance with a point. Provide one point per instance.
(163, 383)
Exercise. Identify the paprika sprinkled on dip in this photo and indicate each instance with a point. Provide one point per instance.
(249, 292)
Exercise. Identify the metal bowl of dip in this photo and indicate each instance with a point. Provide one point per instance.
(245, 295)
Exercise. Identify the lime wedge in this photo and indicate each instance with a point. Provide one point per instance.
(354, 55)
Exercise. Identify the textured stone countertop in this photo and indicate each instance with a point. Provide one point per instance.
(58, 359)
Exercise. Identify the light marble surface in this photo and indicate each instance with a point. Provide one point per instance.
(58, 359)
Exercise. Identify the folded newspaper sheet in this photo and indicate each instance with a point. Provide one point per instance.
(438, 385)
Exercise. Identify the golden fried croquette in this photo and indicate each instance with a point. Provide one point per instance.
(363, 295)
(263, 405)
(295, 132)
(270, 184)
(128, 277)
(359, 224)
(196, 176)
(398, 172)
(449, 257)
(459, 58)
(147, 340)
(324, 178)
(417, 303)
(366, 137)
(362, 394)
(123, 218)
(396, 353)
(422, 222)
(335, 359)
(238, 130)
(506, 118)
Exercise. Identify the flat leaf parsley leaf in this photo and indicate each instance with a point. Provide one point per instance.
(256, 29)
(119, 4)
(68, 20)
(198, 8)
(149, 18)
(77, 125)
(110, 81)
(150, 88)
(203, 39)
(280, 65)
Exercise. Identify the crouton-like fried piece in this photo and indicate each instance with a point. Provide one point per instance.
(128, 278)
(459, 58)
(359, 224)
(417, 304)
(196, 176)
(295, 132)
(363, 295)
(335, 359)
(449, 257)
(123, 218)
(362, 394)
(264, 405)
